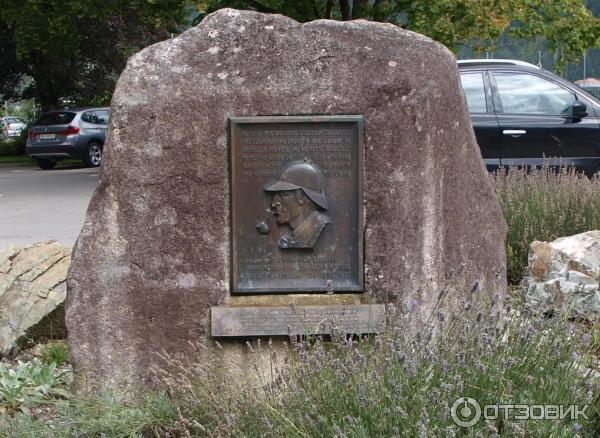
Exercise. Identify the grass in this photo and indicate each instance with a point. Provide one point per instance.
(56, 352)
(17, 159)
(23, 160)
(544, 205)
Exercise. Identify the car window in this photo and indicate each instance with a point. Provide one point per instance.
(102, 117)
(472, 84)
(58, 118)
(529, 94)
(87, 117)
(99, 117)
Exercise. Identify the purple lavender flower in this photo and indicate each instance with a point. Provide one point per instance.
(586, 338)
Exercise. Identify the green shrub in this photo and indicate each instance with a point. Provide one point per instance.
(7, 148)
(56, 352)
(544, 205)
(28, 383)
(13, 146)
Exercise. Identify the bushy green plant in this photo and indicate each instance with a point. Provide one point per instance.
(7, 148)
(544, 204)
(28, 383)
(56, 352)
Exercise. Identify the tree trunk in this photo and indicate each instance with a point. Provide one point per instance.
(360, 9)
(345, 10)
(328, 9)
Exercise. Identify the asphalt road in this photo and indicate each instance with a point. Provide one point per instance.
(40, 204)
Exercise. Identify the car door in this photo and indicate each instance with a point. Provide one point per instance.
(478, 94)
(102, 116)
(535, 116)
(95, 123)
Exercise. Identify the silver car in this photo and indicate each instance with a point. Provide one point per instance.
(78, 134)
(11, 126)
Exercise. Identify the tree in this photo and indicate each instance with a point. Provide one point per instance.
(77, 48)
(9, 65)
(567, 25)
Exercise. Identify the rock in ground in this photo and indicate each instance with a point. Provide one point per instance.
(154, 253)
(32, 287)
(564, 275)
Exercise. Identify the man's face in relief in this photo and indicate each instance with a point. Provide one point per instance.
(287, 205)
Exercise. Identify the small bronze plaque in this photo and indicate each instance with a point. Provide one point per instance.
(273, 321)
(296, 189)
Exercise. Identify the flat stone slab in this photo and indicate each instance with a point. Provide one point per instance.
(292, 320)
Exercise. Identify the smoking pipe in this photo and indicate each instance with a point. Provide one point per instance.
(264, 226)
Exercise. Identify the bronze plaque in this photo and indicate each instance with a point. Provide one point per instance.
(273, 321)
(296, 195)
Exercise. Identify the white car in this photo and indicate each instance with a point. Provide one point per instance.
(12, 126)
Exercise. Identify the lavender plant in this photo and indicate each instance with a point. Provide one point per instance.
(400, 384)
(544, 204)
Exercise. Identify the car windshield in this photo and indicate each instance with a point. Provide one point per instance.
(13, 120)
(56, 118)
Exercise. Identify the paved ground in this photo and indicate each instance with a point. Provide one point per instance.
(44, 204)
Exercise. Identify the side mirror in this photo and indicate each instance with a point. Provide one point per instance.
(579, 109)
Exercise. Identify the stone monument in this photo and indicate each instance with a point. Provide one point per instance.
(262, 176)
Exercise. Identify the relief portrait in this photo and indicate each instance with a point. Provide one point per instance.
(298, 204)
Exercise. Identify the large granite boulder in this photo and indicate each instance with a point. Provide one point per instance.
(154, 253)
(563, 276)
(32, 288)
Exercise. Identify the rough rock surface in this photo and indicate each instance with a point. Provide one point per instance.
(564, 275)
(153, 255)
(32, 286)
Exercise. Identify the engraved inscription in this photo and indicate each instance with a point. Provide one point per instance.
(271, 321)
(264, 150)
(296, 267)
(296, 204)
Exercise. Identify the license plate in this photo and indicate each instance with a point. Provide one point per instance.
(47, 136)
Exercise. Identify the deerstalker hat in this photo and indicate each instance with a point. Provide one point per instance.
(301, 175)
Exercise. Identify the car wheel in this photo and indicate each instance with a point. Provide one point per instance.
(46, 164)
(93, 155)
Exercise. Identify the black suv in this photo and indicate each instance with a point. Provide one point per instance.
(526, 116)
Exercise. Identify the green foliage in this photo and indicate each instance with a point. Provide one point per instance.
(567, 26)
(13, 146)
(77, 48)
(544, 205)
(25, 109)
(28, 383)
(103, 416)
(56, 352)
(108, 415)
